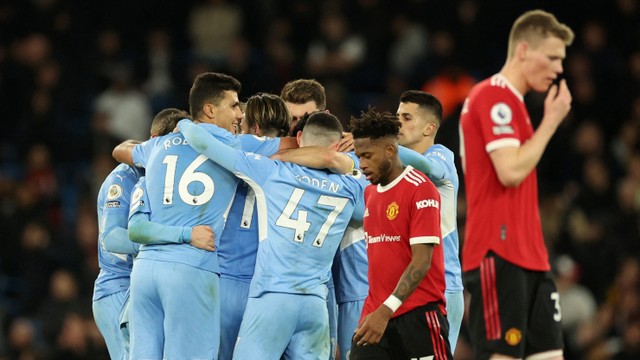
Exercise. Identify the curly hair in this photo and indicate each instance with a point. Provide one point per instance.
(375, 125)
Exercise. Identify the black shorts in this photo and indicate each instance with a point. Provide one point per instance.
(512, 311)
(417, 334)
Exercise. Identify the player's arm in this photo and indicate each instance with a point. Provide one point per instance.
(123, 152)
(430, 166)
(514, 164)
(317, 157)
(372, 327)
(115, 215)
(115, 239)
(208, 145)
(144, 231)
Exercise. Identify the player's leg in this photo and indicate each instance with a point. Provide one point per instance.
(268, 324)
(544, 334)
(106, 312)
(310, 340)
(332, 307)
(146, 316)
(348, 317)
(455, 313)
(498, 308)
(424, 322)
(123, 324)
(191, 300)
(233, 300)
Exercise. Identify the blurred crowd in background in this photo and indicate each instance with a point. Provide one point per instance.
(78, 77)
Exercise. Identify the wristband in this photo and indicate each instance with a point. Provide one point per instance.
(393, 303)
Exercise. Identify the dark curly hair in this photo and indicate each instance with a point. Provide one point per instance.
(375, 125)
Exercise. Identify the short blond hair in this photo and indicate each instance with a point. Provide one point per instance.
(536, 25)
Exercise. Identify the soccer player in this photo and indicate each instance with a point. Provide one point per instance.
(213, 100)
(307, 213)
(175, 298)
(265, 115)
(514, 310)
(115, 250)
(404, 313)
(420, 114)
(303, 96)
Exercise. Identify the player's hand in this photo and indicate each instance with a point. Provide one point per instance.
(557, 103)
(346, 144)
(202, 237)
(372, 326)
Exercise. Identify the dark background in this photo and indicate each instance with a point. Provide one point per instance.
(69, 68)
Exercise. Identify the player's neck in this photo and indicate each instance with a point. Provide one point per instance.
(396, 170)
(513, 73)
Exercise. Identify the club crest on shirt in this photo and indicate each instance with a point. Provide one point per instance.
(392, 211)
(115, 191)
(513, 336)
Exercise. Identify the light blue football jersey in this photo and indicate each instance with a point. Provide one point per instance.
(350, 265)
(302, 215)
(307, 213)
(445, 177)
(238, 245)
(185, 189)
(113, 211)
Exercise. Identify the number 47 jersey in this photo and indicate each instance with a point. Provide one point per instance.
(307, 212)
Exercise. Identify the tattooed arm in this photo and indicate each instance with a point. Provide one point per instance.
(373, 325)
(415, 272)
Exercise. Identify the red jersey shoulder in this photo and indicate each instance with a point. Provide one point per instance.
(495, 105)
(427, 196)
(415, 178)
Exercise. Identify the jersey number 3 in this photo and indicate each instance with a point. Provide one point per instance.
(300, 225)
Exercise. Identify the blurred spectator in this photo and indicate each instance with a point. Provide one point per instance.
(34, 267)
(214, 25)
(577, 303)
(588, 222)
(109, 59)
(24, 341)
(63, 299)
(159, 69)
(121, 112)
(74, 340)
(408, 48)
(337, 51)
(452, 84)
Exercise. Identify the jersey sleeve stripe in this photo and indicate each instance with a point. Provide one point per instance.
(424, 240)
(502, 143)
(416, 176)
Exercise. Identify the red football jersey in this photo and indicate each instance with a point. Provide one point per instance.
(505, 220)
(397, 215)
